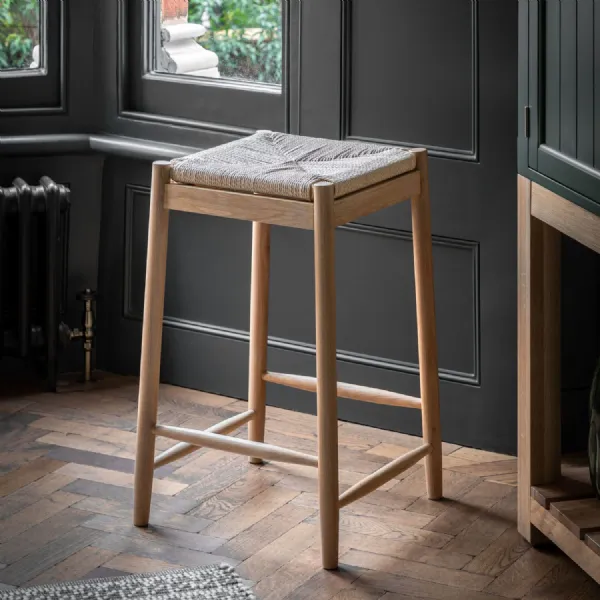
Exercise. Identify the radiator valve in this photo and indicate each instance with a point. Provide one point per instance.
(86, 333)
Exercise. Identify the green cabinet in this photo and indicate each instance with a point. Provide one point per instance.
(559, 97)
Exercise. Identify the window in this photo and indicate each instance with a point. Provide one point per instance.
(234, 39)
(217, 64)
(32, 57)
(20, 30)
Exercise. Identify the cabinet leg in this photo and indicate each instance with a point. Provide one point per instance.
(538, 356)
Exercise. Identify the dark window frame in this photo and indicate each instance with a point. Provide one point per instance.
(192, 102)
(40, 91)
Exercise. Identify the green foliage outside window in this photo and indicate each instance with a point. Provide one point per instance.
(19, 26)
(244, 34)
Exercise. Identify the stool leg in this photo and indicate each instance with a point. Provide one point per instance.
(428, 362)
(259, 319)
(156, 266)
(326, 373)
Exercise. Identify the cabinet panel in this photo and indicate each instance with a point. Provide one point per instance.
(585, 82)
(568, 62)
(563, 92)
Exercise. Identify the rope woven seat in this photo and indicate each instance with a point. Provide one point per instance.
(288, 166)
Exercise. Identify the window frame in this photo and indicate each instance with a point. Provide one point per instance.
(192, 101)
(41, 90)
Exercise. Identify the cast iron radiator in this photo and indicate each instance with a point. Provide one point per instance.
(34, 233)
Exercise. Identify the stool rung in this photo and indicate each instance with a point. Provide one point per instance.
(236, 445)
(383, 475)
(345, 390)
(183, 449)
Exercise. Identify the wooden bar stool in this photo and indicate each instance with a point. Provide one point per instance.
(280, 179)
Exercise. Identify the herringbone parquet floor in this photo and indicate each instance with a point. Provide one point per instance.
(66, 464)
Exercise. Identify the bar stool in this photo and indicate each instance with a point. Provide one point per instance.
(279, 179)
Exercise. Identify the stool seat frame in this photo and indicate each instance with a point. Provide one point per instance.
(322, 215)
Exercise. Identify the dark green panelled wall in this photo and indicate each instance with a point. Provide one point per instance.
(438, 73)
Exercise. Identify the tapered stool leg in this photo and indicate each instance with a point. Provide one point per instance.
(156, 267)
(326, 373)
(428, 360)
(259, 319)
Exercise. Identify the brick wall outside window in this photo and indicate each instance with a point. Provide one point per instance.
(174, 11)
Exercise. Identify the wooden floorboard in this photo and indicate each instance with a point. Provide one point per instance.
(66, 464)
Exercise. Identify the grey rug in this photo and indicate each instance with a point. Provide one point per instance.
(216, 582)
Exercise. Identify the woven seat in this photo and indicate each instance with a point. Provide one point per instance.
(283, 165)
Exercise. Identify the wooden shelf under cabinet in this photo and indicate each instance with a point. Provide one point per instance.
(568, 513)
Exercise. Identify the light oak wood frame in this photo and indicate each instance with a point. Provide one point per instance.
(154, 305)
(322, 215)
(542, 217)
(346, 390)
(325, 312)
(426, 330)
(289, 213)
(538, 355)
(259, 326)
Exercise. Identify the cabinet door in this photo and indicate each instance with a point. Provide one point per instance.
(564, 92)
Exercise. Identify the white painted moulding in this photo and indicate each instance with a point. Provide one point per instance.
(214, 72)
(36, 58)
(182, 31)
(185, 56)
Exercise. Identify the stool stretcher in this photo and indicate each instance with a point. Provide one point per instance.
(375, 480)
(184, 448)
(346, 390)
(235, 445)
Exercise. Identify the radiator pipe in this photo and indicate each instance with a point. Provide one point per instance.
(86, 333)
